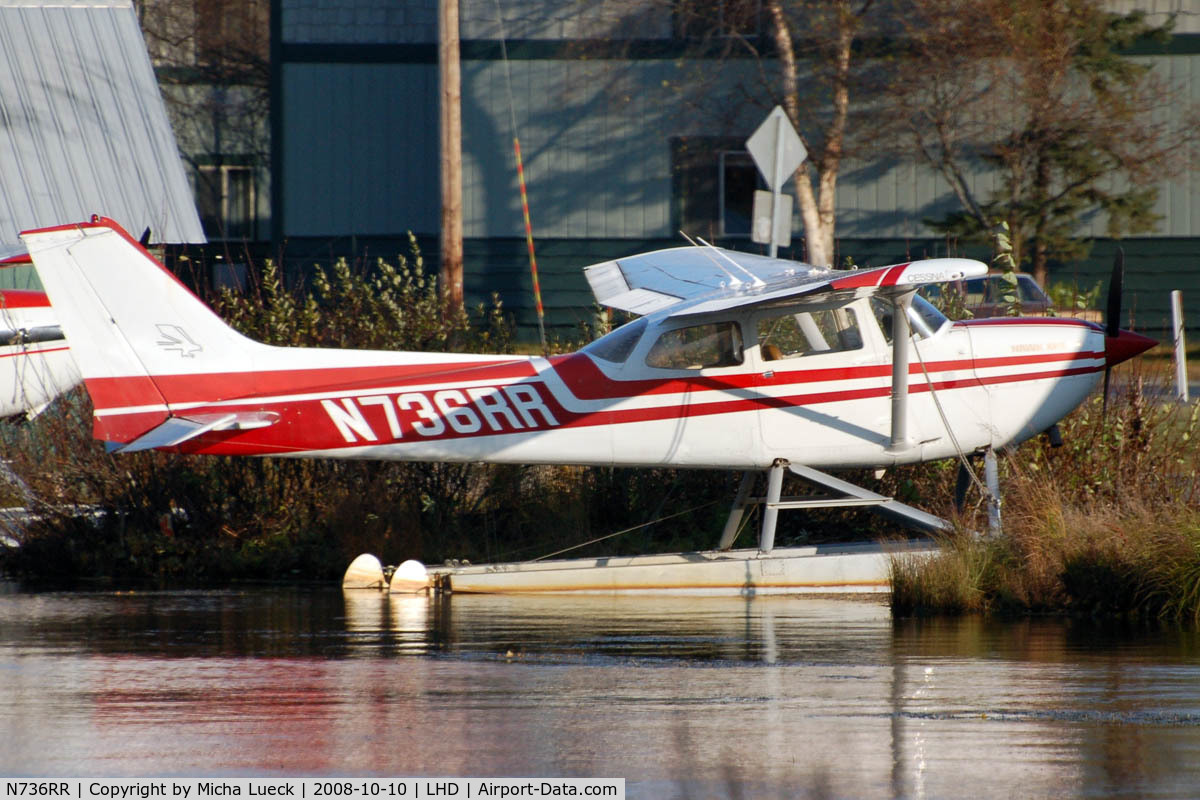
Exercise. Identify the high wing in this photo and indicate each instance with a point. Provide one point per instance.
(701, 280)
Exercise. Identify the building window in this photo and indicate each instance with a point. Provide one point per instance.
(738, 180)
(713, 180)
(226, 200)
(699, 19)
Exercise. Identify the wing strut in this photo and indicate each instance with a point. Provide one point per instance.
(900, 334)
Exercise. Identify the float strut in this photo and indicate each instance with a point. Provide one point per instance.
(735, 514)
(766, 539)
(962, 482)
(991, 473)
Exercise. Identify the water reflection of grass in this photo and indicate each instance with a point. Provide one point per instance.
(1107, 525)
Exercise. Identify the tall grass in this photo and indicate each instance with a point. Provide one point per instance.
(1107, 525)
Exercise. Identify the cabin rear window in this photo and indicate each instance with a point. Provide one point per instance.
(809, 333)
(616, 346)
(714, 344)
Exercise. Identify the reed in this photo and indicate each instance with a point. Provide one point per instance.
(1106, 526)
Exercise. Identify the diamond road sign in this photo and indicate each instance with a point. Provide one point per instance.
(776, 149)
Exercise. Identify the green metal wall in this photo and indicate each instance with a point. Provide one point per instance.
(1154, 267)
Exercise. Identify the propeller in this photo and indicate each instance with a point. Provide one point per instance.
(1119, 345)
(1112, 315)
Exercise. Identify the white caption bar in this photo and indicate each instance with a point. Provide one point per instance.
(313, 788)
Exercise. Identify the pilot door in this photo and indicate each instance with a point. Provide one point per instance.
(816, 364)
(689, 397)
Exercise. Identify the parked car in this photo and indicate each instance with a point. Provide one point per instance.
(984, 297)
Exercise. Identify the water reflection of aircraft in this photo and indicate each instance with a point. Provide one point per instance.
(35, 363)
(737, 361)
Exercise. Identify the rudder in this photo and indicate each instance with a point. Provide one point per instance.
(133, 328)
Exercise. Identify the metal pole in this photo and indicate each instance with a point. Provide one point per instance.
(991, 475)
(450, 130)
(777, 188)
(1181, 376)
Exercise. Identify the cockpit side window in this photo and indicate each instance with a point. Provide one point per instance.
(808, 333)
(713, 344)
(615, 347)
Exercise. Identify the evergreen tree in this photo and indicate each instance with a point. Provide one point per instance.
(1039, 93)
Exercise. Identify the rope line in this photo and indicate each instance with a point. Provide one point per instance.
(618, 533)
(942, 413)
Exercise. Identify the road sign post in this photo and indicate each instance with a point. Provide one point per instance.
(777, 152)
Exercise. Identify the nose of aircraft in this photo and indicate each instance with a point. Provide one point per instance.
(1125, 345)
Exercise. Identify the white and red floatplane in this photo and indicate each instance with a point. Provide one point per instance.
(737, 362)
(35, 362)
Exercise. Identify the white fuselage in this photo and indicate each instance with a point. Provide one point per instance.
(994, 383)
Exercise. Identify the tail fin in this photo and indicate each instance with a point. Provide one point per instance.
(131, 325)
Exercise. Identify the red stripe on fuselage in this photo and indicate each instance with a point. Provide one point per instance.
(587, 381)
(306, 425)
(23, 298)
(111, 393)
(31, 350)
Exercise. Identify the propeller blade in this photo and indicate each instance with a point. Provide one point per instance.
(1104, 405)
(1112, 315)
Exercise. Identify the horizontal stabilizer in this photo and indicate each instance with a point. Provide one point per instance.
(177, 430)
(32, 335)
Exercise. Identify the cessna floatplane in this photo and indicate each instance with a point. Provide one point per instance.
(736, 361)
(35, 362)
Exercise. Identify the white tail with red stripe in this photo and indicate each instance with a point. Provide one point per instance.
(149, 350)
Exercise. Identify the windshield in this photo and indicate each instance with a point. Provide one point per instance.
(924, 319)
(925, 314)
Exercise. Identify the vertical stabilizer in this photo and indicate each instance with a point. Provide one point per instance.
(131, 325)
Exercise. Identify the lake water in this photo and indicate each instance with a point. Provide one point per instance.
(682, 696)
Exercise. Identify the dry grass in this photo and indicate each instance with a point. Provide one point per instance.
(1108, 525)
